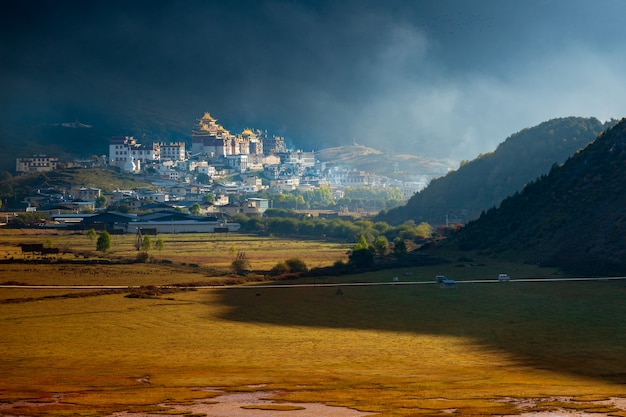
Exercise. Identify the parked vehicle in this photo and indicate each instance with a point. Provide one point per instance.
(504, 277)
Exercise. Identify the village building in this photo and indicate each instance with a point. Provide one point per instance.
(88, 193)
(126, 154)
(174, 151)
(36, 163)
(238, 163)
(274, 145)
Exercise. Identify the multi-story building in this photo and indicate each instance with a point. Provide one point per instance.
(273, 145)
(299, 158)
(174, 151)
(127, 154)
(252, 141)
(88, 193)
(351, 178)
(36, 163)
(238, 162)
(210, 138)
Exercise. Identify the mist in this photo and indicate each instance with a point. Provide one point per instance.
(443, 79)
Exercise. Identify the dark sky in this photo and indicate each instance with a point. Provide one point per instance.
(442, 78)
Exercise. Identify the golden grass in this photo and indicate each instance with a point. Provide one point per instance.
(399, 350)
(207, 250)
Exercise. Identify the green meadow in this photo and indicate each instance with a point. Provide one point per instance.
(408, 349)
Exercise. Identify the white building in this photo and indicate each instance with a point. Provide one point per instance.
(204, 168)
(127, 154)
(174, 151)
(299, 158)
(238, 162)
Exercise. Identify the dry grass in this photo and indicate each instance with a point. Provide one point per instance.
(206, 250)
(404, 350)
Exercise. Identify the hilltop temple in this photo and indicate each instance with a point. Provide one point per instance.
(211, 139)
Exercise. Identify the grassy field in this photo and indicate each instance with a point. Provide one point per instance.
(216, 251)
(401, 350)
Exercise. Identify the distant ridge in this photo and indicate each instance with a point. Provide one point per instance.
(484, 182)
(574, 217)
(401, 166)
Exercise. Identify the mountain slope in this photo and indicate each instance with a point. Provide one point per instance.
(83, 134)
(485, 181)
(400, 166)
(574, 217)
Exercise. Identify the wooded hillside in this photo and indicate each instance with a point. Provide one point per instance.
(484, 182)
(573, 217)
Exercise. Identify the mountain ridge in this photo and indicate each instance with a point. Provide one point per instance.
(572, 217)
(484, 182)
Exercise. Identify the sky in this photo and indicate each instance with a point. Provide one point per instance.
(439, 78)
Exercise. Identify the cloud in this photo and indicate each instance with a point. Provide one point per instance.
(444, 79)
(462, 115)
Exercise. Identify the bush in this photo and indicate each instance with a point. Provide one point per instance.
(280, 268)
(104, 242)
(142, 257)
(338, 264)
(296, 265)
(362, 258)
(240, 266)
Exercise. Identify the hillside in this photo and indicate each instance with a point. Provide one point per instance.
(66, 179)
(70, 139)
(484, 182)
(400, 166)
(574, 217)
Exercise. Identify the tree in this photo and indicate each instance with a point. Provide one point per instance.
(92, 235)
(203, 178)
(146, 243)
(296, 265)
(300, 202)
(158, 244)
(104, 242)
(380, 244)
(241, 265)
(424, 230)
(195, 209)
(361, 244)
(279, 269)
(101, 201)
(362, 258)
(399, 247)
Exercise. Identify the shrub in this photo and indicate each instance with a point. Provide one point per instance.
(362, 258)
(240, 266)
(280, 268)
(296, 265)
(104, 242)
(338, 264)
(142, 257)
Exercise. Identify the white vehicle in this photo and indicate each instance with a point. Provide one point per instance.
(504, 277)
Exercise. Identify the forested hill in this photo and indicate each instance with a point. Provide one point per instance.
(574, 217)
(484, 182)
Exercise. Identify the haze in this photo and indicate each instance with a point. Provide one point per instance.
(445, 79)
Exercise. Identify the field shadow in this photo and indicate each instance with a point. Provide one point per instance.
(577, 328)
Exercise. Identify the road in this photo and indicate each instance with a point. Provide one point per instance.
(347, 284)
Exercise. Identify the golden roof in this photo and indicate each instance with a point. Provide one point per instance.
(207, 117)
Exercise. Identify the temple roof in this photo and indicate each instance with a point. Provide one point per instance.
(207, 117)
